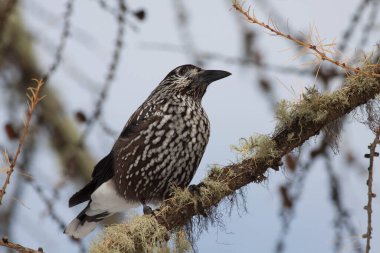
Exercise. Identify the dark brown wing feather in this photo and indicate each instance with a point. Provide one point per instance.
(104, 170)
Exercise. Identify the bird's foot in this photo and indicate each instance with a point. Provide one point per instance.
(147, 210)
(195, 189)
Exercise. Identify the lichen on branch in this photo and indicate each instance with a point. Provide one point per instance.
(221, 182)
(143, 234)
(297, 122)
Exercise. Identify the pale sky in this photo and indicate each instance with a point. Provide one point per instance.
(235, 106)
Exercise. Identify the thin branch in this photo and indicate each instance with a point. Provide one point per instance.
(371, 22)
(33, 99)
(353, 24)
(44, 15)
(18, 247)
(342, 219)
(69, 66)
(64, 36)
(292, 191)
(372, 154)
(111, 72)
(319, 50)
(274, 13)
(49, 203)
(51, 114)
(104, 5)
(182, 22)
(243, 61)
(50, 211)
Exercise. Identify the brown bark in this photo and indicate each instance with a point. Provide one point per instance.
(356, 92)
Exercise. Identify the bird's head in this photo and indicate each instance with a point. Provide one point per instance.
(190, 80)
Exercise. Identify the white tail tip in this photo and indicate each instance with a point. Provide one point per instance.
(77, 230)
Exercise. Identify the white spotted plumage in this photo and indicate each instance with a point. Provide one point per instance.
(160, 147)
(171, 148)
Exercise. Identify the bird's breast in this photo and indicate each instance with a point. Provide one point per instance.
(165, 153)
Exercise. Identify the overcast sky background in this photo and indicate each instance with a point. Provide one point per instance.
(235, 106)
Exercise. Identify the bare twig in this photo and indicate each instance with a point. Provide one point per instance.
(18, 247)
(51, 114)
(44, 14)
(372, 154)
(111, 72)
(69, 66)
(292, 191)
(48, 203)
(371, 21)
(274, 13)
(319, 50)
(33, 99)
(182, 22)
(105, 6)
(242, 60)
(353, 24)
(342, 219)
(64, 35)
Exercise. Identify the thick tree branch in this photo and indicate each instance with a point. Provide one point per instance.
(302, 121)
(357, 92)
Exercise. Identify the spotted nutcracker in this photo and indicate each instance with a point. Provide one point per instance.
(160, 147)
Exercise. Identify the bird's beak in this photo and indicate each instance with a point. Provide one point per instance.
(209, 76)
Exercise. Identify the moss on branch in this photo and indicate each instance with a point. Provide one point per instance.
(297, 122)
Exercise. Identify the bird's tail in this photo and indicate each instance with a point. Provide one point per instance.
(85, 222)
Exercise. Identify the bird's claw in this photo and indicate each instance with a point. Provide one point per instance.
(195, 189)
(147, 210)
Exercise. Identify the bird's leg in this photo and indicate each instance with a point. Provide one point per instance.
(195, 189)
(147, 209)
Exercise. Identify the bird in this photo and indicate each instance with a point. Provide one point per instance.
(159, 148)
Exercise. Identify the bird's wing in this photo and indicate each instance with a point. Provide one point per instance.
(104, 170)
